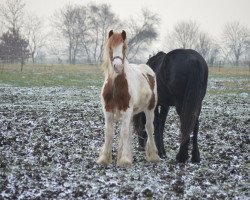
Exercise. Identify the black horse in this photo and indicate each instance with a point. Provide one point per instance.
(181, 82)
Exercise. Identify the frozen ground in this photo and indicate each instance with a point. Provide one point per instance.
(50, 139)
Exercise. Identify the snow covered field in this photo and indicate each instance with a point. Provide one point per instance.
(50, 139)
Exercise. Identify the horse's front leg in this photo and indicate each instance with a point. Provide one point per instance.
(105, 156)
(124, 157)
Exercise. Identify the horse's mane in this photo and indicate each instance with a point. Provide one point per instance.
(155, 61)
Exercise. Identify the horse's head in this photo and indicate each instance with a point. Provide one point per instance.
(156, 61)
(117, 48)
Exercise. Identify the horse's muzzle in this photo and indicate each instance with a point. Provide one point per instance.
(118, 68)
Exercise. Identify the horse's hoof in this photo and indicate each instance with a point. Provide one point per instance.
(153, 158)
(195, 157)
(102, 160)
(123, 162)
(181, 158)
(195, 160)
(162, 155)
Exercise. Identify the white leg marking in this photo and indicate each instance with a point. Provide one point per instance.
(124, 157)
(105, 156)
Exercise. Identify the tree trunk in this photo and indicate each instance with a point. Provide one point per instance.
(33, 57)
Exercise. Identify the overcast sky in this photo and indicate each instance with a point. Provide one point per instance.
(210, 15)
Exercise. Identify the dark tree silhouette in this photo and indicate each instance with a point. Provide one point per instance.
(13, 48)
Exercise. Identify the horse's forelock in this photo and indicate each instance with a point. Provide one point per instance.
(115, 40)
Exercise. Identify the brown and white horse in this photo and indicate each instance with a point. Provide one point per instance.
(127, 90)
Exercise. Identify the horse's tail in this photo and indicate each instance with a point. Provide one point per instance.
(194, 93)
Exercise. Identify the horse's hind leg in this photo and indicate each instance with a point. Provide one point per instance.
(105, 156)
(195, 152)
(159, 123)
(182, 155)
(142, 134)
(186, 129)
(151, 150)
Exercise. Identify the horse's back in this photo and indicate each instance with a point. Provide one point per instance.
(185, 60)
(175, 70)
(186, 64)
(141, 68)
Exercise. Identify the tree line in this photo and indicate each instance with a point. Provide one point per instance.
(77, 34)
(233, 46)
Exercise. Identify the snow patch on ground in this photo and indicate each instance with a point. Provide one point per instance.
(50, 139)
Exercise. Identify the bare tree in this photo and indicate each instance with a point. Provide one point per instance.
(143, 31)
(207, 47)
(187, 34)
(13, 14)
(68, 22)
(102, 19)
(213, 55)
(85, 30)
(184, 35)
(35, 35)
(85, 39)
(203, 44)
(56, 46)
(235, 40)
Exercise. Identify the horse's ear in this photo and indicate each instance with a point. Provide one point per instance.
(123, 35)
(110, 33)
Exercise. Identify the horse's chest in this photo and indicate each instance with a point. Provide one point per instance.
(116, 94)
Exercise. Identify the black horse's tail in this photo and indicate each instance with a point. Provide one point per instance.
(194, 93)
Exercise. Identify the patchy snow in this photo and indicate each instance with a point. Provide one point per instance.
(50, 139)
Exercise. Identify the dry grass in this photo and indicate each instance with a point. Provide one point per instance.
(82, 76)
(229, 80)
(56, 68)
(79, 76)
(50, 69)
(229, 71)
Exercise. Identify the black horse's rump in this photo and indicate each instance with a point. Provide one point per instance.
(181, 82)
